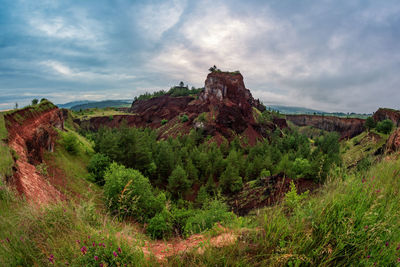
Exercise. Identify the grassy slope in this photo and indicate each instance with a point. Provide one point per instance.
(96, 112)
(6, 160)
(352, 221)
(30, 235)
(362, 146)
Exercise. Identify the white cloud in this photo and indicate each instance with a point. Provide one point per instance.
(155, 19)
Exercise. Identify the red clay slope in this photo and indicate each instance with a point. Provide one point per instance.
(29, 134)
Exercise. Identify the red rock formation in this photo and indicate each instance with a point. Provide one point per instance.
(393, 143)
(386, 113)
(30, 133)
(346, 127)
(225, 99)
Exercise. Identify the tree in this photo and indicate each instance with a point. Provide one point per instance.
(35, 101)
(384, 126)
(181, 84)
(97, 166)
(370, 123)
(178, 182)
(16, 105)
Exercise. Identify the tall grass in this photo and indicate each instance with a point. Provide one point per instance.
(351, 222)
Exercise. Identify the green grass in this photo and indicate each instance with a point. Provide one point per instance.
(350, 222)
(6, 160)
(362, 146)
(96, 112)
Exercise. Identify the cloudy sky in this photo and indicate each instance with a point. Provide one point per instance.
(329, 55)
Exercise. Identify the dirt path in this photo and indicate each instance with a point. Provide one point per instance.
(28, 180)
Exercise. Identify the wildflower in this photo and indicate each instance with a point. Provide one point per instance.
(398, 260)
(119, 250)
(366, 227)
(378, 191)
(84, 250)
(398, 247)
(369, 256)
(101, 264)
(88, 236)
(96, 258)
(387, 244)
(51, 258)
(78, 242)
(115, 254)
(94, 244)
(8, 240)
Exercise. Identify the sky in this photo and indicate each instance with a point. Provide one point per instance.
(326, 55)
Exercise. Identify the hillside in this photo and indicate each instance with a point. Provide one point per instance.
(292, 196)
(102, 104)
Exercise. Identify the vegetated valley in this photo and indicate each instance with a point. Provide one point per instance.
(198, 177)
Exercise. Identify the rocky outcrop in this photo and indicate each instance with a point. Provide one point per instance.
(393, 143)
(226, 103)
(386, 113)
(266, 192)
(346, 127)
(32, 131)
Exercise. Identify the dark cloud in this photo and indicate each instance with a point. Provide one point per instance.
(332, 55)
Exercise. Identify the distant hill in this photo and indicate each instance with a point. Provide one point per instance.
(294, 110)
(74, 103)
(299, 110)
(103, 104)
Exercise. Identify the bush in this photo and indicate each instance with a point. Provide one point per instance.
(215, 211)
(184, 118)
(71, 144)
(129, 193)
(164, 121)
(384, 126)
(97, 166)
(292, 199)
(35, 101)
(160, 226)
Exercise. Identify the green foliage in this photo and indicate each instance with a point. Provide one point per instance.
(35, 101)
(292, 199)
(164, 121)
(97, 166)
(71, 143)
(370, 123)
(161, 225)
(178, 182)
(384, 126)
(213, 212)
(127, 186)
(42, 169)
(184, 118)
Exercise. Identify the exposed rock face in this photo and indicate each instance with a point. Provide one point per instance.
(267, 192)
(386, 113)
(346, 127)
(29, 139)
(393, 143)
(225, 99)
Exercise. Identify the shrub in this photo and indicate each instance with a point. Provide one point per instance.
(129, 193)
(164, 121)
(42, 169)
(292, 199)
(160, 226)
(70, 142)
(215, 211)
(35, 101)
(384, 126)
(97, 166)
(184, 118)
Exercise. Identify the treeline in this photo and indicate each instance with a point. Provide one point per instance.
(148, 171)
(179, 90)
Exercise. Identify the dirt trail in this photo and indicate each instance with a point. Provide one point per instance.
(161, 249)
(28, 180)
